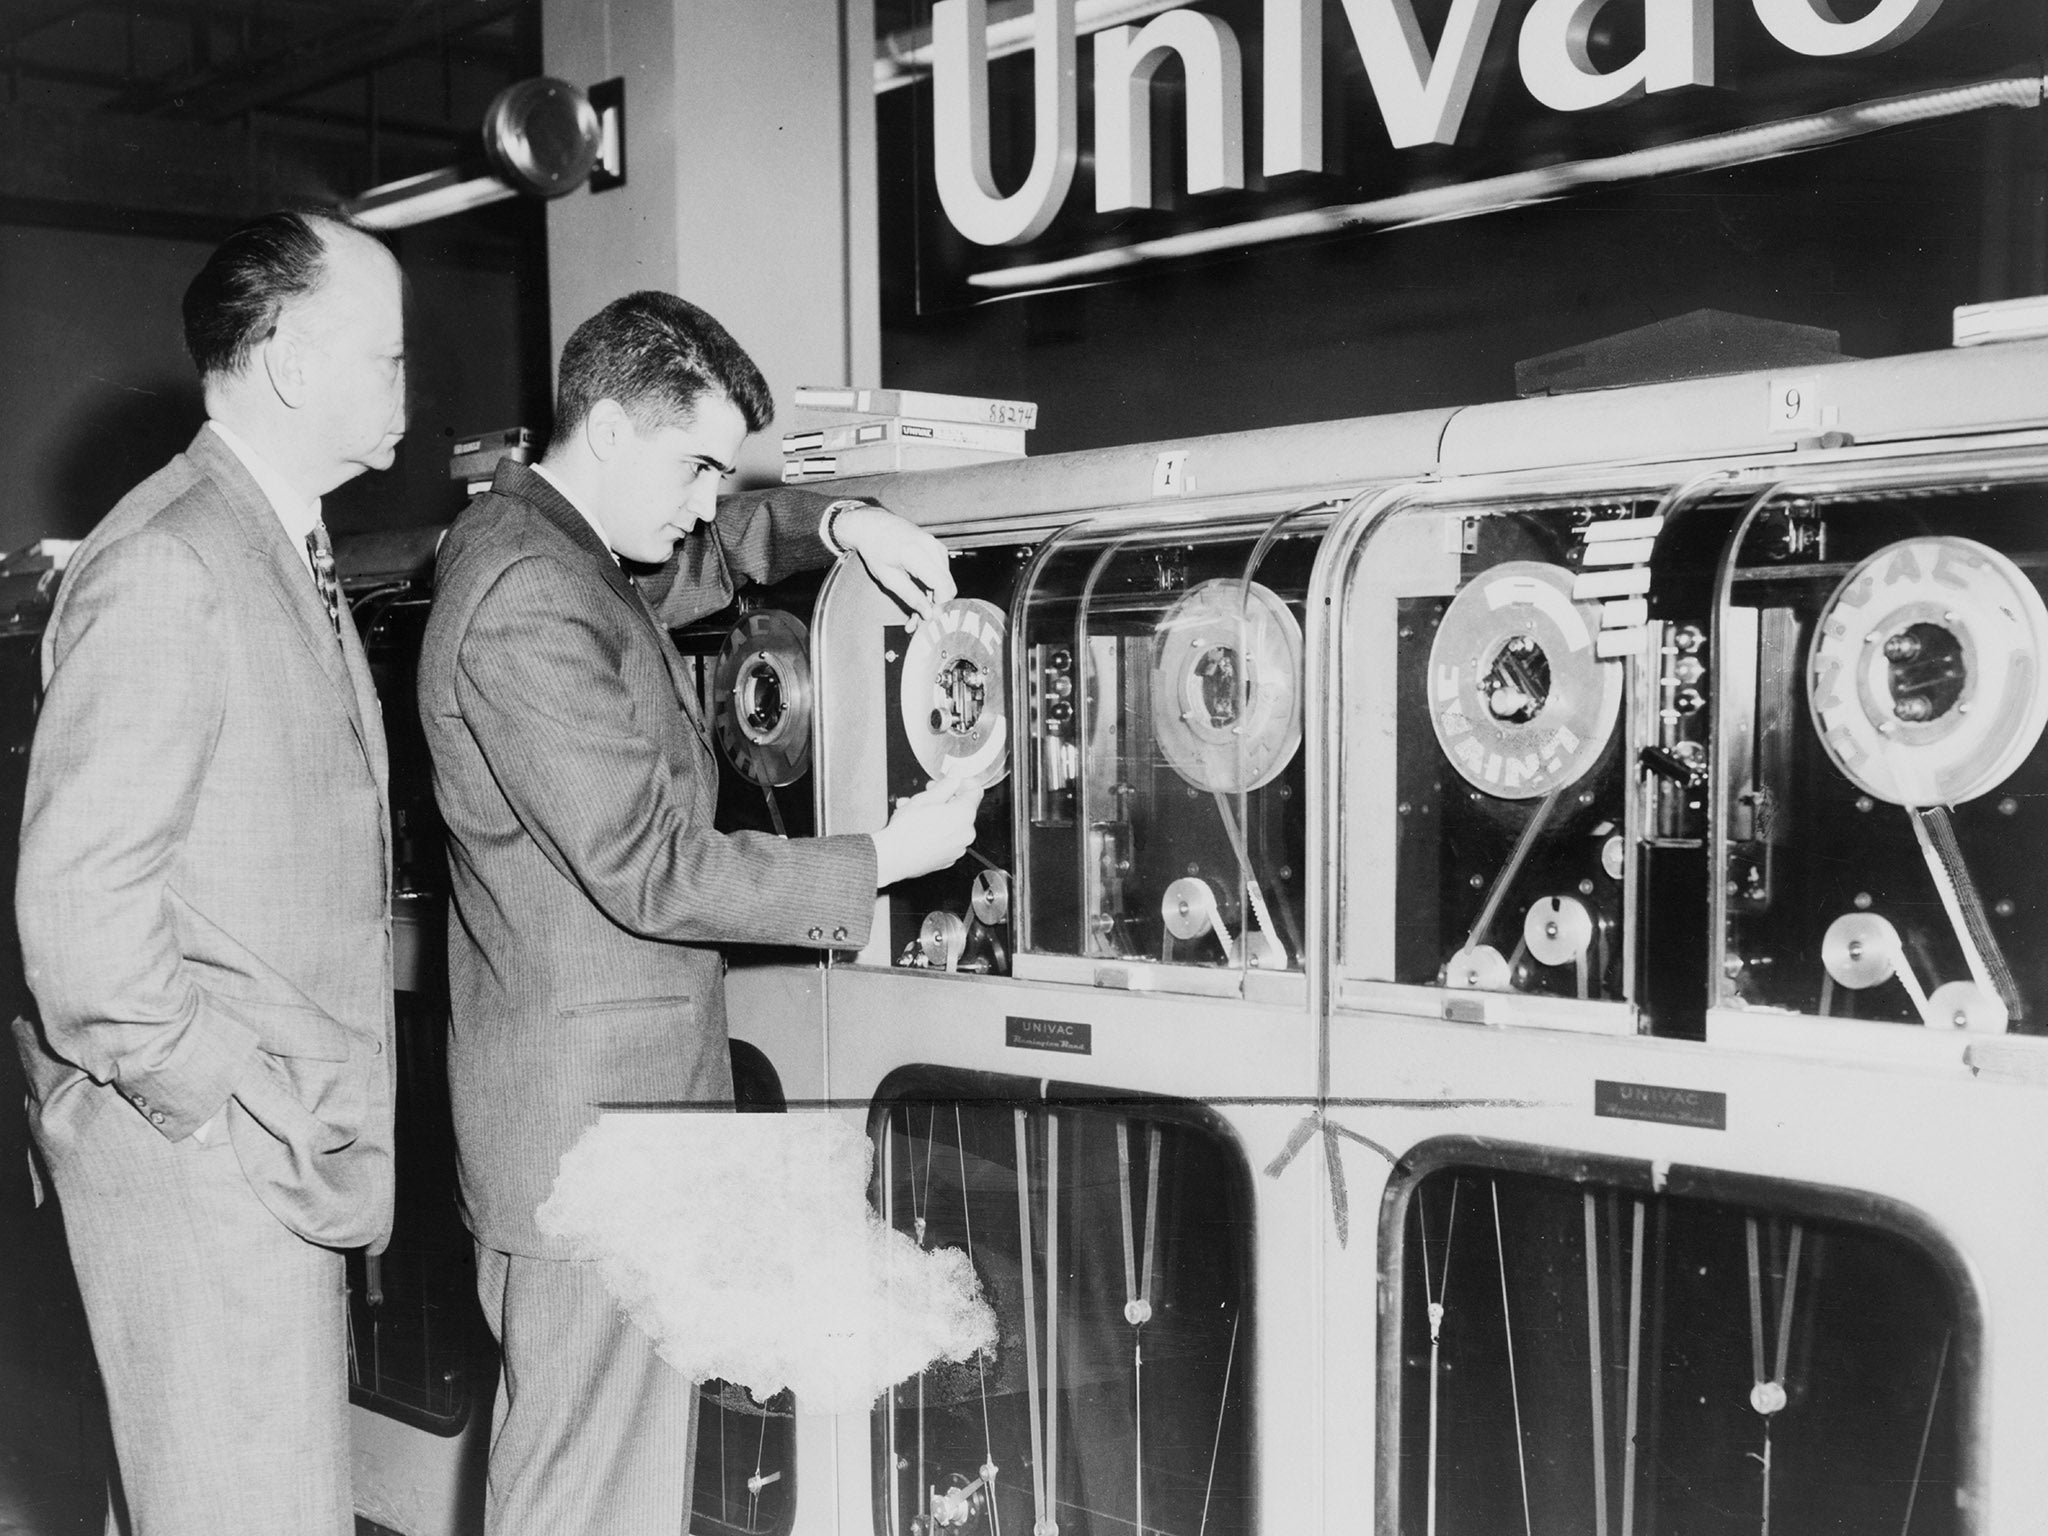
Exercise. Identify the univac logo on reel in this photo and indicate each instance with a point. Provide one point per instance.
(762, 685)
(1521, 701)
(954, 696)
(1926, 688)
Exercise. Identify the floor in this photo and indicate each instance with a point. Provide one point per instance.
(54, 1446)
(55, 1452)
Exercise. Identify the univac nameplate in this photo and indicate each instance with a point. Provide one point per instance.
(1061, 1035)
(1670, 1106)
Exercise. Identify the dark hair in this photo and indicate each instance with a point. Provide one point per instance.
(232, 306)
(657, 355)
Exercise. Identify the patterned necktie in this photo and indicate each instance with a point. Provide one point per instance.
(321, 554)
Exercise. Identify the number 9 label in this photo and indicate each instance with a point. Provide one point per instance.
(1795, 407)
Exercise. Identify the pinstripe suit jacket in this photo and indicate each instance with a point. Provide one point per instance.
(203, 892)
(578, 786)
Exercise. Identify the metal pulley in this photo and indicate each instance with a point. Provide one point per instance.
(1967, 1006)
(942, 940)
(1188, 909)
(1860, 950)
(1558, 930)
(991, 898)
(1481, 968)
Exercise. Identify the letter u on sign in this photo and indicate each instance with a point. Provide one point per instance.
(960, 159)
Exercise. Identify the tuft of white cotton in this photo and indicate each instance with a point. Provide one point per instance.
(744, 1246)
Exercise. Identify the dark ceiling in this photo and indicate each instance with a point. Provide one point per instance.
(187, 116)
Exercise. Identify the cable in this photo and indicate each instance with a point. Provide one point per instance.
(1514, 1386)
(724, 1473)
(1216, 1441)
(1050, 1526)
(888, 1182)
(988, 1449)
(1029, 1268)
(921, 1201)
(1767, 1395)
(1138, 1291)
(920, 1204)
(1594, 1367)
(1635, 1360)
(1436, 1322)
(757, 1482)
(1926, 1430)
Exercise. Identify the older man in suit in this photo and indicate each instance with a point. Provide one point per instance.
(204, 910)
(575, 774)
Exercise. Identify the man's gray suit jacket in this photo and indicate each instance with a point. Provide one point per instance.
(578, 785)
(203, 892)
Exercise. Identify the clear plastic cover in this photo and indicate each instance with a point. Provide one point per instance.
(1486, 654)
(1114, 1242)
(1573, 1357)
(1165, 777)
(1884, 660)
(946, 710)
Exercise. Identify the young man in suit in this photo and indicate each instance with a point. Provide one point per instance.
(576, 777)
(203, 898)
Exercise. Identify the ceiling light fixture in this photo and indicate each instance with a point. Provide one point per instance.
(541, 137)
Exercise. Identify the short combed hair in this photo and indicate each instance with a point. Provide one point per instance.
(657, 356)
(233, 305)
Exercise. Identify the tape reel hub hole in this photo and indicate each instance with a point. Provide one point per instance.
(962, 690)
(1516, 684)
(761, 700)
(1221, 695)
(1927, 672)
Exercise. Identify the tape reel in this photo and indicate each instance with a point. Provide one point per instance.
(954, 698)
(762, 694)
(1521, 704)
(1925, 674)
(1226, 686)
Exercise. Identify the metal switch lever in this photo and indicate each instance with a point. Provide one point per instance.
(1675, 766)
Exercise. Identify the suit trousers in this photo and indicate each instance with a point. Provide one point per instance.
(593, 1434)
(221, 1336)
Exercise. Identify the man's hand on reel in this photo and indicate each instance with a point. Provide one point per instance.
(903, 559)
(930, 830)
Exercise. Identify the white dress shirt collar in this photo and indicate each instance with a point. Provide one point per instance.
(583, 512)
(295, 512)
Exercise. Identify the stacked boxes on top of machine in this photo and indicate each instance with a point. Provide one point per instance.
(846, 431)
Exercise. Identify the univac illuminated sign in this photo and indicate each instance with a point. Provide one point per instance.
(1421, 97)
(1561, 56)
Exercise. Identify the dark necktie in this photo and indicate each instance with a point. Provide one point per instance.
(321, 554)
